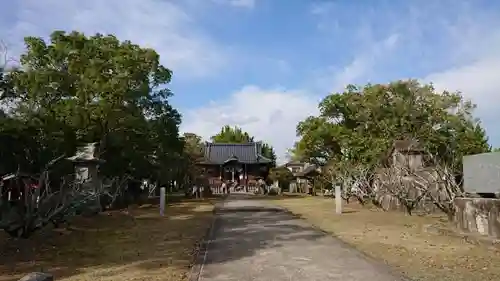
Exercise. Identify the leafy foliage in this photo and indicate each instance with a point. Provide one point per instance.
(361, 123)
(355, 129)
(230, 134)
(235, 134)
(189, 172)
(282, 175)
(77, 89)
(268, 152)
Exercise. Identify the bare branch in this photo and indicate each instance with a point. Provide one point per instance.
(5, 59)
(355, 179)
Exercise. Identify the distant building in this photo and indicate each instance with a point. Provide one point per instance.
(405, 154)
(236, 162)
(304, 174)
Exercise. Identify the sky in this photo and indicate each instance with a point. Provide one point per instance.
(264, 65)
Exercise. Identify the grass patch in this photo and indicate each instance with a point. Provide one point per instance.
(132, 244)
(404, 242)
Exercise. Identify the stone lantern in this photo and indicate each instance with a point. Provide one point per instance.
(86, 165)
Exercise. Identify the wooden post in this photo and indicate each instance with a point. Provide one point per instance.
(162, 201)
(338, 199)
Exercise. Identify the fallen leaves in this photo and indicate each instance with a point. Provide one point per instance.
(402, 241)
(137, 244)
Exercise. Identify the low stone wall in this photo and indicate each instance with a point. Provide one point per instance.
(478, 215)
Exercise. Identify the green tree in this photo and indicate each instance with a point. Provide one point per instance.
(361, 123)
(268, 152)
(81, 89)
(235, 134)
(77, 89)
(230, 134)
(282, 175)
(5, 85)
(188, 171)
(193, 146)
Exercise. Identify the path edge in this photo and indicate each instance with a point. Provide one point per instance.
(200, 258)
(376, 262)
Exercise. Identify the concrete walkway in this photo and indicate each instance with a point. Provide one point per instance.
(252, 240)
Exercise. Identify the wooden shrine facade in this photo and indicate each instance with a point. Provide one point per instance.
(242, 164)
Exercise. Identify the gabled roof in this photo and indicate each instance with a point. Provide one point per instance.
(294, 163)
(231, 158)
(309, 170)
(222, 153)
(405, 146)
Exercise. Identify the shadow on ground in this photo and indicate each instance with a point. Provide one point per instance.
(242, 232)
(138, 244)
(130, 244)
(255, 240)
(271, 197)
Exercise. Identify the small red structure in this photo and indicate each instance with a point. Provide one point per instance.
(13, 187)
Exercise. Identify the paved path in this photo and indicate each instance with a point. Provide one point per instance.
(255, 241)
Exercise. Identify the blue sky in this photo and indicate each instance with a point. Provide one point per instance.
(264, 64)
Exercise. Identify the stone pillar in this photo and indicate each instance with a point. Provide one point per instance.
(338, 199)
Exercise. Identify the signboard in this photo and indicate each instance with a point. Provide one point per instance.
(482, 173)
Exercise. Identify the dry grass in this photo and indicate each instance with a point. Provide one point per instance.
(402, 241)
(136, 244)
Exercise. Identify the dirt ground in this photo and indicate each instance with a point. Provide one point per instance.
(134, 244)
(409, 244)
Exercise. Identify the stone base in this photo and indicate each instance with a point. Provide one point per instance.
(389, 202)
(478, 215)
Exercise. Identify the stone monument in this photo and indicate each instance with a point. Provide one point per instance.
(86, 164)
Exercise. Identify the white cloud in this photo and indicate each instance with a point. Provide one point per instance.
(480, 82)
(321, 8)
(364, 63)
(359, 70)
(161, 25)
(471, 65)
(273, 114)
(248, 4)
(475, 73)
(268, 114)
(455, 43)
(243, 3)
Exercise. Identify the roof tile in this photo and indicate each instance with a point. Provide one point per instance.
(248, 153)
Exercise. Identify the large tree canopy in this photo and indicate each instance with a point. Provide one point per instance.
(77, 89)
(187, 168)
(362, 122)
(230, 134)
(235, 134)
